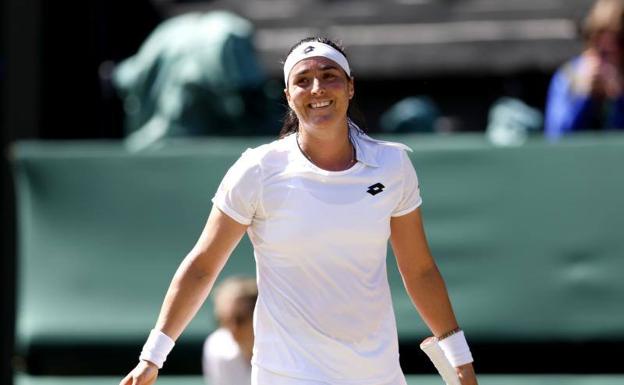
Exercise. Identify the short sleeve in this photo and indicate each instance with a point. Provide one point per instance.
(239, 191)
(410, 195)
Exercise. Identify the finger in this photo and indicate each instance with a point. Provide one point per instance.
(125, 380)
(466, 375)
(140, 380)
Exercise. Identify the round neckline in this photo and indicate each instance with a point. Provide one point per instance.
(301, 156)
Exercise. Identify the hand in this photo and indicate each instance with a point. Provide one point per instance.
(144, 373)
(598, 77)
(589, 78)
(612, 80)
(466, 375)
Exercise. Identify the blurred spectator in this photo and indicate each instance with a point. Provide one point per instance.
(227, 351)
(586, 93)
(511, 121)
(412, 114)
(196, 74)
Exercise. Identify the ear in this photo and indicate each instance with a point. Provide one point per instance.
(287, 97)
(351, 86)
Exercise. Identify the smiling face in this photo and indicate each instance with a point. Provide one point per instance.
(319, 92)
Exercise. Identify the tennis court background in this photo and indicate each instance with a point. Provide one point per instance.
(528, 240)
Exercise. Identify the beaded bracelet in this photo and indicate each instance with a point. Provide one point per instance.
(449, 333)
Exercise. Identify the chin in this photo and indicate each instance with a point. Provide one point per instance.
(323, 121)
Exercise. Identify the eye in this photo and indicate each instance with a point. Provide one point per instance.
(301, 81)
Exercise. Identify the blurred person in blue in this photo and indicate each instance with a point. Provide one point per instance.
(586, 93)
(227, 351)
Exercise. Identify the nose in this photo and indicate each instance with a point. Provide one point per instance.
(317, 87)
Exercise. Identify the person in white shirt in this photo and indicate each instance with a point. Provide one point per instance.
(226, 358)
(319, 206)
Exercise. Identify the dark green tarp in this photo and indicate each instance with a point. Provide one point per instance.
(196, 74)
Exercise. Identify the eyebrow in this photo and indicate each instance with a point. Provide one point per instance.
(324, 67)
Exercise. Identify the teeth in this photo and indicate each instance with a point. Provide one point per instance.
(320, 104)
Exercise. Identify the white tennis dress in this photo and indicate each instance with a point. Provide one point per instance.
(324, 313)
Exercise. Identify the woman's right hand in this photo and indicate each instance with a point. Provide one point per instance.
(598, 77)
(144, 373)
(588, 79)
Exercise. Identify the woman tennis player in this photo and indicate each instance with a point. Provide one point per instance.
(319, 205)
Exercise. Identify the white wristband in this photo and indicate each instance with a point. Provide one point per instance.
(456, 350)
(156, 348)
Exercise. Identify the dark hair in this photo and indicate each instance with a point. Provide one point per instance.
(291, 122)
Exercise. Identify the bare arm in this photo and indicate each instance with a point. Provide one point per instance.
(423, 281)
(198, 271)
(192, 283)
(421, 277)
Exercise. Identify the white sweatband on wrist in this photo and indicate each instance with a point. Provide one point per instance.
(156, 348)
(456, 350)
(314, 49)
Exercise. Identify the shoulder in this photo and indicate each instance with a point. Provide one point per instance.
(391, 147)
(568, 70)
(267, 154)
(252, 164)
(381, 152)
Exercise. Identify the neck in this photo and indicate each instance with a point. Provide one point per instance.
(332, 151)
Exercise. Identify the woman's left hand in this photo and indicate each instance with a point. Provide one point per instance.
(467, 375)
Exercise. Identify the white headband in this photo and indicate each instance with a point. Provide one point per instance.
(314, 49)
